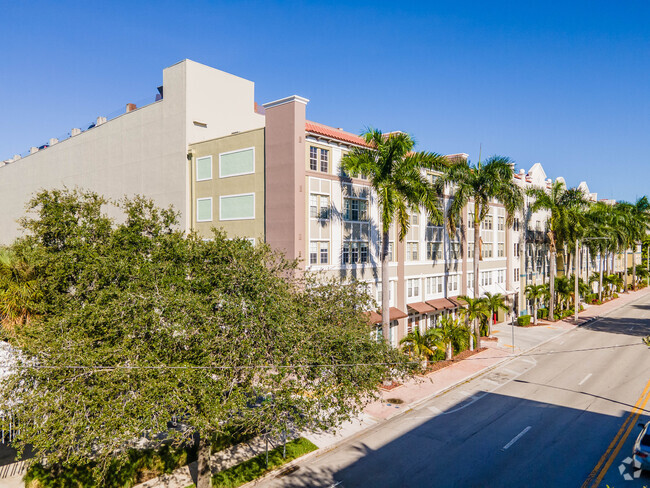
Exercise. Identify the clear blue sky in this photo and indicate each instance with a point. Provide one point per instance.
(566, 84)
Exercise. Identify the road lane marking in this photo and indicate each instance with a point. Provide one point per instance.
(629, 422)
(586, 378)
(516, 438)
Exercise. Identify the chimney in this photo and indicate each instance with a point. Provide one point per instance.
(53, 141)
(100, 121)
(33, 149)
(75, 132)
(130, 107)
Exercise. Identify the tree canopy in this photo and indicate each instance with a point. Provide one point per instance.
(139, 323)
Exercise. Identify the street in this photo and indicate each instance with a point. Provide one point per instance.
(564, 414)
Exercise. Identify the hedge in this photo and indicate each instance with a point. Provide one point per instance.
(523, 320)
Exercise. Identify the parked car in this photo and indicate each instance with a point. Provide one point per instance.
(642, 447)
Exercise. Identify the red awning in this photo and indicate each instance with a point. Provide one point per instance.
(421, 307)
(442, 304)
(394, 314)
(458, 301)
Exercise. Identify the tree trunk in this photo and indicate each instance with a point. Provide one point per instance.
(477, 251)
(625, 268)
(634, 268)
(385, 288)
(600, 278)
(490, 324)
(534, 311)
(448, 352)
(203, 475)
(551, 300)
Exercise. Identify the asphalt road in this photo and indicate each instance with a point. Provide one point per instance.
(546, 419)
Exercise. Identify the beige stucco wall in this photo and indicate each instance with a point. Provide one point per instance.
(232, 185)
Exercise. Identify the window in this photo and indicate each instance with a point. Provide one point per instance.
(515, 225)
(470, 280)
(354, 209)
(204, 210)
(434, 251)
(355, 252)
(319, 252)
(470, 250)
(538, 225)
(204, 168)
(413, 288)
(313, 158)
(501, 249)
(324, 160)
(487, 250)
(501, 276)
(237, 207)
(414, 218)
(235, 163)
(434, 284)
(516, 275)
(455, 250)
(390, 292)
(412, 251)
(487, 223)
(517, 252)
(452, 283)
(486, 278)
(470, 220)
(319, 206)
(501, 223)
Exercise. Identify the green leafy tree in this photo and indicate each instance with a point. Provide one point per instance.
(140, 324)
(535, 293)
(478, 185)
(475, 310)
(397, 175)
(494, 303)
(565, 207)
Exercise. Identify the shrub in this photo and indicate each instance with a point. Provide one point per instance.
(542, 313)
(523, 320)
(615, 295)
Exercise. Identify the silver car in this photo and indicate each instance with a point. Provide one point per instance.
(642, 447)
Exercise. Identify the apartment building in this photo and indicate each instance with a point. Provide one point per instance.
(267, 173)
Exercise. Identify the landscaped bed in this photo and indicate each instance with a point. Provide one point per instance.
(438, 365)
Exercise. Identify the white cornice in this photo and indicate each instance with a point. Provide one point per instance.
(282, 101)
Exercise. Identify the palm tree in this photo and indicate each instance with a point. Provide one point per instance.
(421, 346)
(534, 293)
(397, 176)
(564, 290)
(565, 206)
(494, 303)
(450, 331)
(18, 288)
(491, 180)
(634, 221)
(475, 309)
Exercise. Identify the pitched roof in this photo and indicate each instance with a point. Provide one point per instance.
(339, 134)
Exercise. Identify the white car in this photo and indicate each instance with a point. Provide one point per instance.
(642, 447)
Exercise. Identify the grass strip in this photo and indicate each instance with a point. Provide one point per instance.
(255, 467)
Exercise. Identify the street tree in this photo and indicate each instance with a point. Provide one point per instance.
(473, 311)
(397, 176)
(534, 293)
(140, 323)
(494, 303)
(479, 185)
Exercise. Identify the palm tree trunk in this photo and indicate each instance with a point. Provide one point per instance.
(535, 311)
(600, 278)
(203, 475)
(448, 352)
(385, 288)
(490, 323)
(477, 238)
(625, 266)
(634, 268)
(551, 300)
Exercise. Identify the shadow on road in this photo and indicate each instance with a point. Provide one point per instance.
(629, 325)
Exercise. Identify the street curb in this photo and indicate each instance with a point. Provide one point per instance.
(411, 406)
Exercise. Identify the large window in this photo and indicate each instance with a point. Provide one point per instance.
(237, 207)
(355, 209)
(412, 253)
(204, 210)
(319, 252)
(319, 206)
(434, 284)
(434, 251)
(452, 283)
(355, 252)
(319, 159)
(235, 163)
(455, 251)
(487, 223)
(204, 168)
(487, 250)
(501, 249)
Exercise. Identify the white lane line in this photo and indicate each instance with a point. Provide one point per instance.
(529, 360)
(586, 378)
(516, 438)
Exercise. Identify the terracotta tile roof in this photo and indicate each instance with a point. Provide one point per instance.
(339, 134)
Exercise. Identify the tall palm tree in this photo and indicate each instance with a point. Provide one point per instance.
(18, 288)
(475, 309)
(450, 331)
(477, 186)
(494, 303)
(565, 207)
(397, 176)
(534, 293)
(634, 220)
